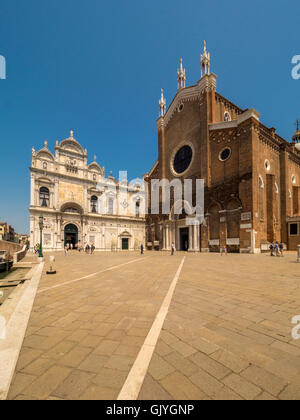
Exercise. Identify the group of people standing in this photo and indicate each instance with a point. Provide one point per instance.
(87, 249)
(276, 249)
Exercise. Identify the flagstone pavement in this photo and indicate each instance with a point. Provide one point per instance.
(227, 334)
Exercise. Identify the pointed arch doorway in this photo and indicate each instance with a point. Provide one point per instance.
(71, 235)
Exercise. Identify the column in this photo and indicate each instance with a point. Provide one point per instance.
(196, 238)
(167, 237)
(174, 235)
(191, 239)
(56, 193)
(32, 190)
(164, 238)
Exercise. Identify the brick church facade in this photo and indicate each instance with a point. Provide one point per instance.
(251, 174)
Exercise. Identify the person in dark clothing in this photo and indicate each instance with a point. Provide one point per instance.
(281, 249)
(142, 249)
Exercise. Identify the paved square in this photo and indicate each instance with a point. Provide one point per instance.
(227, 334)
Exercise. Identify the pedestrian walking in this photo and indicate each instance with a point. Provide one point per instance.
(92, 248)
(66, 250)
(271, 250)
(276, 247)
(172, 248)
(142, 249)
(224, 251)
(281, 249)
(87, 248)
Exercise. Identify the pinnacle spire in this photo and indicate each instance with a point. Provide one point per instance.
(162, 104)
(181, 76)
(205, 61)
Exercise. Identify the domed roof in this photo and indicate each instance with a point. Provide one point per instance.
(72, 144)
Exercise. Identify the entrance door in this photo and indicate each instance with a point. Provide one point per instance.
(125, 244)
(184, 239)
(71, 235)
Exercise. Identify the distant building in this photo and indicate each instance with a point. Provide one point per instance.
(23, 239)
(7, 232)
(79, 205)
(251, 174)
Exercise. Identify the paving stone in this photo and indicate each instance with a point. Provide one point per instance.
(230, 360)
(183, 365)
(215, 369)
(39, 366)
(159, 368)
(93, 363)
(184, 349)
(124, 350)
(74, 385)
(60, 350)
(19, 383)
(204, 346)
(181, 388)
(265, 380)
(122, 363)
(26, 357)
(106, 347)
(242, 387)
(96, 393)
(75, 356)
(206, 383)
(153, 391)
(110, 378)
(43, 386)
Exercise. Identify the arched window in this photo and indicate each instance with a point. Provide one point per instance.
(227, 116)
(137, 209)
(110, 206)
(44, 197)
(94, 204)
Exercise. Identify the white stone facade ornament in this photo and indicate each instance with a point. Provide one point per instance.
(181, 76)
(205, 62)
(162, 105)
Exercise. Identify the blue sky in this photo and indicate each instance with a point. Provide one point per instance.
(98, 67)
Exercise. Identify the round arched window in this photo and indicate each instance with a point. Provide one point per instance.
(225, 154)
(183, 159)
(94, 204)
(267, 165)
(227, 116)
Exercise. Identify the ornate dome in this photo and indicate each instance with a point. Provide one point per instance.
(72, 144)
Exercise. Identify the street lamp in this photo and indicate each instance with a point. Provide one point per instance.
(41, 223)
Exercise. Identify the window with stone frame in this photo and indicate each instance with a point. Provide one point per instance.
(94, 204)
(294, 229)
(44, 197)
(137, 208)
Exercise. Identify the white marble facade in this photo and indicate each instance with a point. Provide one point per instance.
(79, 205)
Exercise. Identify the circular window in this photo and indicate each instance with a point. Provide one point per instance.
(225, 154)
(183, 159)
(180, 108)
(267, 165)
